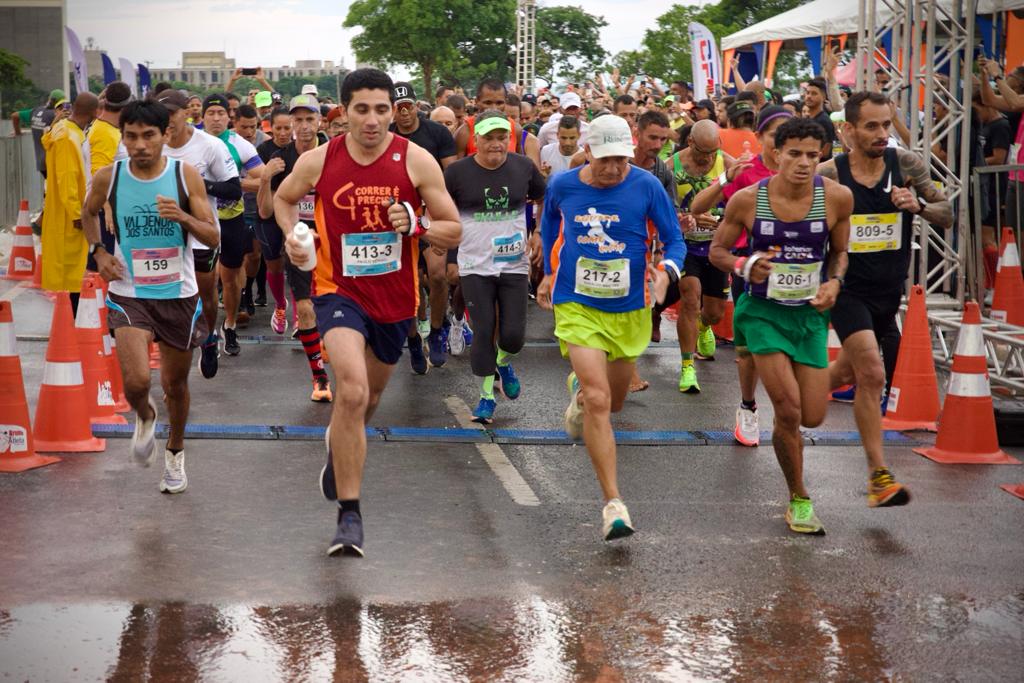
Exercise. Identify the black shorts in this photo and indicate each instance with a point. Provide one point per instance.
(271, 239)
(713, 282)
(299, 281)
(453, 256)
(235, 241)
(853, 313)
(205, 259)
(179, 323)
(386, 340)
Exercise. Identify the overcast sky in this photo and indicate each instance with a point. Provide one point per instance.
(279, 32)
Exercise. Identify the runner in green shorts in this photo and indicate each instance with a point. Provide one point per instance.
(596, 245)
(798, 224)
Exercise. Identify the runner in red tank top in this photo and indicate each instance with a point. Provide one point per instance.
(369, 183)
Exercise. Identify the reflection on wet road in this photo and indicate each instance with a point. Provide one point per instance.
(793, 635)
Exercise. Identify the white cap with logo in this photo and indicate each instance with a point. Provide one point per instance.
(309, 89)
(609, 136)
(569, 99)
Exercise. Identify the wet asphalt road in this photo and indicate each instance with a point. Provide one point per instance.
(102, 577)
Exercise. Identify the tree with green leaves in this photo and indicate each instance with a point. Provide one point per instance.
(568, 43)
(16, 90)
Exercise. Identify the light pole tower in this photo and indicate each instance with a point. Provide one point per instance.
(526, 43)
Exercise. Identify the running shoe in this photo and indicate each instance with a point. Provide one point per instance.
(261, 298)
(144, 438)
(616, 520)
(884, 491)
(321, 391)
(655, 326)
(467, 332)
(174, 479)
(688, 380)
(510, 385)
(231, 346)
(435, 347)
(574, 411)
(327, 487)
(484, 412)
(423, 328)
(801, 518)
(208, 355)
(348, 539)
(416, 357)
(456, 338)
(845, 395)
(706, 344)
(278, 321)
(748, 431)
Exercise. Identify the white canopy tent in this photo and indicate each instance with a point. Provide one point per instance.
(830, 18)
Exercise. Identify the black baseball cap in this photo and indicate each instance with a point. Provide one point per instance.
(215, 100)
(403, 92)
(530, 97)
(705, 104)
(173, 99)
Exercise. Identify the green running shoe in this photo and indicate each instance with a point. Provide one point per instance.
(801, 518)
(706, 344)
(688, 380)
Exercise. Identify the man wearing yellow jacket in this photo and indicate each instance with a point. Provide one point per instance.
(64, 245)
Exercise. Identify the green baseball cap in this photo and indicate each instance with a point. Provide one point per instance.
(57, 94)
(493, 123)
(263, 99)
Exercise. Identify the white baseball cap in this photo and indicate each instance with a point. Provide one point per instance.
(569, 99)
(309, 89)
(609, 136)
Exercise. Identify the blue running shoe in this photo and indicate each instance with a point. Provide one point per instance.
(348, 539)
(845, 396)
(436, 347)
(327, 486)
(484, 412)
(467, 333)
(510, 385)
(416, 357)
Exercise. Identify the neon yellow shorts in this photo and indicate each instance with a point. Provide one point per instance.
(620, 335)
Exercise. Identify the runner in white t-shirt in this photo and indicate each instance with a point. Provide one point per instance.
(557, 156)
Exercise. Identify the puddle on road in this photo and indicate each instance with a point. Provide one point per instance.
(533, 639)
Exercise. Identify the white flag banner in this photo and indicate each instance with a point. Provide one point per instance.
(77, 61)
(128, 75)
(707, 65)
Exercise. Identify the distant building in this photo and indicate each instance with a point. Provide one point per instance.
(211, 69)
(34, 30)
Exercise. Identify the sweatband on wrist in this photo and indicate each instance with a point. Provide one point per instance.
(737, 267)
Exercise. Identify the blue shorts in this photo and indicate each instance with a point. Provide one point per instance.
(386, 340)
(271, 239)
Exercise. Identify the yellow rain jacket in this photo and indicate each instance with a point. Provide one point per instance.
(64, 246)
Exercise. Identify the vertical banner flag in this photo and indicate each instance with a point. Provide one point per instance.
(707, 69)
(128, 76)
(78, 67)
(109, 76)
(144, 81)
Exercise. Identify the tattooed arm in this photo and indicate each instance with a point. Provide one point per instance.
(828, 170)
(938, 209)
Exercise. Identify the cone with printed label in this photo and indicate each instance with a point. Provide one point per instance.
(723, 328)
(22, 264)
(914, 394)
(1008, 300)
(121, 404)
(17, 451)
(62, 413)
(834, 347)
(95, 366)
(967, 427)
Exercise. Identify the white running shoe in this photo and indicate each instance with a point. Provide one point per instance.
(174, 479)
(456, 337)
(748, 430)
(574, 411)
(144, 438)
(616, 520)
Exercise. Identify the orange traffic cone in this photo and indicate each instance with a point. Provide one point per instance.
(121, 404)
(17, 453)
(22, 263)
(1008, 300)
(1015, 489)
(723, 330)
(914, 395)
(62, 414)
(967, 428)
(95, 366)
(37, 276)
(834, 347)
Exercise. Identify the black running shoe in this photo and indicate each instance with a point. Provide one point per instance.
(208, 356)
(416, 357)
(348, 539)
(231, 346)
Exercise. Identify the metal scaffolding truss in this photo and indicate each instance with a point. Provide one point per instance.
(526, 44)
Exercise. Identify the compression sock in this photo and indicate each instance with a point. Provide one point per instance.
(487, 387)
(310, 339)
(275, 281)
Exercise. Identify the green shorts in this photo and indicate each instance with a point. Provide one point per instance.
(620, 335)
(764, 327)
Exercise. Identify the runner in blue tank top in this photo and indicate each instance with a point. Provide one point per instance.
(798, 224)
(159, 214)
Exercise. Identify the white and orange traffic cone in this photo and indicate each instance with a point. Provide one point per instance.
(967, 428)
(1008, 299)
(121, 404)
(95, 366)
(914, 394)
(17, 451)
(22, 264)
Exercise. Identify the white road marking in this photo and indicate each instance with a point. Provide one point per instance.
(495, 458)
